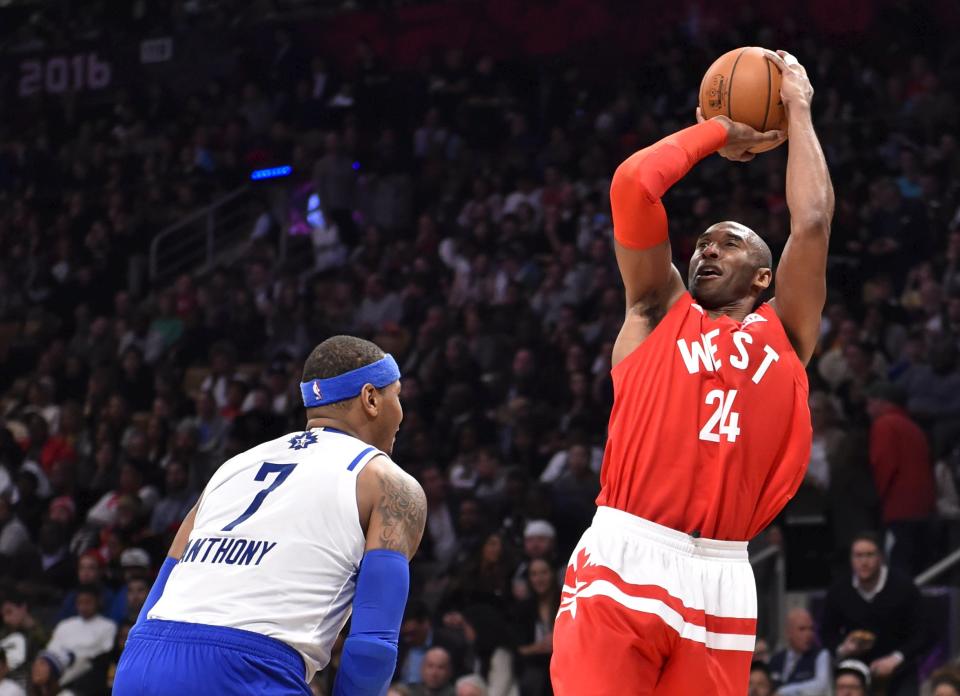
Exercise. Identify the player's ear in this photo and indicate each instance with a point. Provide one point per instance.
(763, 278)
(370, 400)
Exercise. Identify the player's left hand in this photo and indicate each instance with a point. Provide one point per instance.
(885, 666)
(741, 137)
(795, 87)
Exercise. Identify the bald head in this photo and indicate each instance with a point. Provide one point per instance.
(800, 633)
(730, 268)
(436, 668)
(759, 249)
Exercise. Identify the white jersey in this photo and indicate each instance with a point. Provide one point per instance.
(276, 544)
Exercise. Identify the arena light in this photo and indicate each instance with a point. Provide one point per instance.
(271, 173)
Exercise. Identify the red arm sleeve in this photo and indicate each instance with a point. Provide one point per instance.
(639, 219)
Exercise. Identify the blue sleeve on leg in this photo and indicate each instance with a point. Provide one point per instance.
(157, 590)
(370, 651)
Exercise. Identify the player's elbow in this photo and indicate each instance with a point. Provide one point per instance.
(367, 665)
(624, 180)
(813, 225)
(628, 181)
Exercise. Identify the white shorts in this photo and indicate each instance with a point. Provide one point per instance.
(703, 589)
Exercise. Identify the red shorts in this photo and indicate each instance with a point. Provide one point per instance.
(649, 610)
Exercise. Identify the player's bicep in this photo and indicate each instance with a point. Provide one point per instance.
(397, 507)
(648, 274)
(801, 288)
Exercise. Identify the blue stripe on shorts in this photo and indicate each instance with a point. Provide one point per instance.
(173, 658)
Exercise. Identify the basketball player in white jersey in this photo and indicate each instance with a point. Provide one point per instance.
(286, 540)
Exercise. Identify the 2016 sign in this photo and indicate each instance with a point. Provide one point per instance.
(60, 74)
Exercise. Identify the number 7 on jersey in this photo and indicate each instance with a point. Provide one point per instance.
(282, 471)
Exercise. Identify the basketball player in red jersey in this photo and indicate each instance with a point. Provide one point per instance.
(709, 435)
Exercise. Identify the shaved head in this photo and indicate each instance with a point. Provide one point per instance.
(731, 264)
(760, 251)
(801, 634)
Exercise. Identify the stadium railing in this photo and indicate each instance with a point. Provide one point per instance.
(196, 243)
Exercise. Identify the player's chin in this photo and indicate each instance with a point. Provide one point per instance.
(706, 297)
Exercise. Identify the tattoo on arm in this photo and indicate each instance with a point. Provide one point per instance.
(403, 513)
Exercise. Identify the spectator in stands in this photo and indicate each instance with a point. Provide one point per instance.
(852, 679)
(469, 685)
(14, 536)
(134, 566)
(223, 358)
(539, 543)
(50, 570)
(436, 674)
(903, 472)
(210, 425)
(945, 682)
(131, 483)
(89, 572)
(535, 628)
(138, 587)
(417, 636)
(803, 667)
(46, 671)
(8, 687)
(176, 502)
(487, 635)
(761, 651)
(21, 637)
(876, 618)
(85, 637)
(440, 540)
(761, 683)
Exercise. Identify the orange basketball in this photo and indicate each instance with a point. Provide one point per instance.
(744, 86)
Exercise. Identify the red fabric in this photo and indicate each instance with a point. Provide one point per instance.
(673, 458)
(639, 220)
(56, 449)
(900, 458)
(607, 650)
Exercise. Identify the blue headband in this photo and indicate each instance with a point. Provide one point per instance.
(320, 392)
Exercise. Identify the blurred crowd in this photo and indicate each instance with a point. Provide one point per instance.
(464, 226)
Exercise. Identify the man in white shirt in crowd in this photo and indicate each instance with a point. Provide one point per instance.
(14, 537)
(84, 637)
(8, 687)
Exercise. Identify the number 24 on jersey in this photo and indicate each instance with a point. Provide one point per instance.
(724, 422)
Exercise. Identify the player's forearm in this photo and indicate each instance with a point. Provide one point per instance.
(809, 190)
(642, 179)
(370, 650)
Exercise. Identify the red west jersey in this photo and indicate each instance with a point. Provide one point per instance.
(710, 429)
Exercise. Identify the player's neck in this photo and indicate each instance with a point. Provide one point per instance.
(737, 311)
(335, 423)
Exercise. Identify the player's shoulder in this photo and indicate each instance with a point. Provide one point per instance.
(381, 466)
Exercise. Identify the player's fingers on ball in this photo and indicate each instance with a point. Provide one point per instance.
(699, 115)
(775, 59)
(773, 136)
(789, 58)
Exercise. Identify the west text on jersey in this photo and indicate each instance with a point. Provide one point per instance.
(703, 354)
(229, 550)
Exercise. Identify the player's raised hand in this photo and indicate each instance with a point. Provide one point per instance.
(741, 138)
(795, 86)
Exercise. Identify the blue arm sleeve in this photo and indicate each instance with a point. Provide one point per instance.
(370, 651)
(157, 590)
